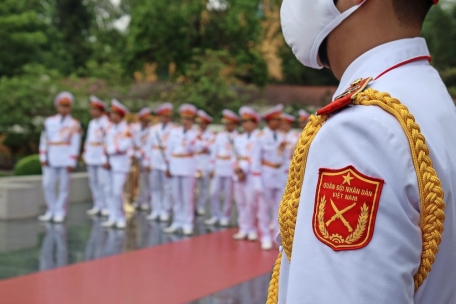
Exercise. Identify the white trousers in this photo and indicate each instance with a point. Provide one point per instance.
(221, 184)
(160, 190)
(54, 251)
(98, 176)
(268, 209)
(183, 208)
(203, 185)
(144, 188)
(116, 198)
(245, 198)
(56, 204)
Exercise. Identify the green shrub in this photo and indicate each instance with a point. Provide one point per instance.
(29, 165)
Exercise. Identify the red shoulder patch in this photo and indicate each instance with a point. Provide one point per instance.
(346, 204)
(346, 97)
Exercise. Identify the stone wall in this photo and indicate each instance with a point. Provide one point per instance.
(22, 196)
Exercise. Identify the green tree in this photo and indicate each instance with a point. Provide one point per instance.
(28, 100)
(171, 37)
(296, 73)
(22, 35)
(211, 84)
(440, 32)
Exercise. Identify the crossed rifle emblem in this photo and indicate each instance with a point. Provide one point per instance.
(340, 215)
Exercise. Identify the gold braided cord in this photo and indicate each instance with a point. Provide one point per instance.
(273, 290)
(431, 192)
(290, 200)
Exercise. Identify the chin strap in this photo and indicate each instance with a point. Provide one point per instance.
(431, 192)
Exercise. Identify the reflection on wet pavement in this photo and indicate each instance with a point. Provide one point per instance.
(250, 292)
(27, 246)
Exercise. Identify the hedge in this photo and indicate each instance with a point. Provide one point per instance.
(29, 165)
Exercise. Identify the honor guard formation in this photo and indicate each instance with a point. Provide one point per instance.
(182, 167)
(360, 200)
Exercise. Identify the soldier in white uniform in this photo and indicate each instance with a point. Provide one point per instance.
(291, 139)
(221, 165)
(59, 150)
(116, 159)
(303, 118)
(182, 167)
(157, 164)
(268, 161)
(93, 155)
(369, 215)
(205, 140)
(245, 180)
(140, 139)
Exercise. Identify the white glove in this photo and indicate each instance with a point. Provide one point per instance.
(258, 185)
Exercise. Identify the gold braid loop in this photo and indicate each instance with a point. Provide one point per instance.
(431, 192)
(290, 200)
(273, 290)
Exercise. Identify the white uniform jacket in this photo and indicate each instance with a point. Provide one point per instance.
(94, 144)
(291, 139)
(374, 143)
(60, 141)
(203, 149)
(118, 147)
(270, 157)
(181, 150)
(223, 154)
(155, 150)
(140, 139)
(245, 146)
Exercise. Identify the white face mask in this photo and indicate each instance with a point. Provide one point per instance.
(306, 23)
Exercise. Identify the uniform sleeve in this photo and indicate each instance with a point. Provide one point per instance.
(125, 142)
(75, 145)
(170, 146)
(213, 153)
(147, 149)
(43, 146)
(194, 143)
(373, 142)
(86, 139)
(256, 163)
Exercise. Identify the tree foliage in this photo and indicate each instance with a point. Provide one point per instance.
(165, 32)
(211, 84)
(440, 32)
(296, 73)
(22, 35)
(26, 100)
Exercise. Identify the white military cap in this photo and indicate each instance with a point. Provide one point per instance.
(187, 110)
(119, 108)
(97, 102)
(64, 98)
(248, 113)
(274, 112)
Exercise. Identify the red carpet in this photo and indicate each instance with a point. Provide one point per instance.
(172, 273)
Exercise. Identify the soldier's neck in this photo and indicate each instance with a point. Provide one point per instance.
(363, 31)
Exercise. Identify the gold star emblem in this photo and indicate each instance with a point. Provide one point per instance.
(347, 178)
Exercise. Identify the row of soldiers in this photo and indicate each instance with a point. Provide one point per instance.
(176, 162)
